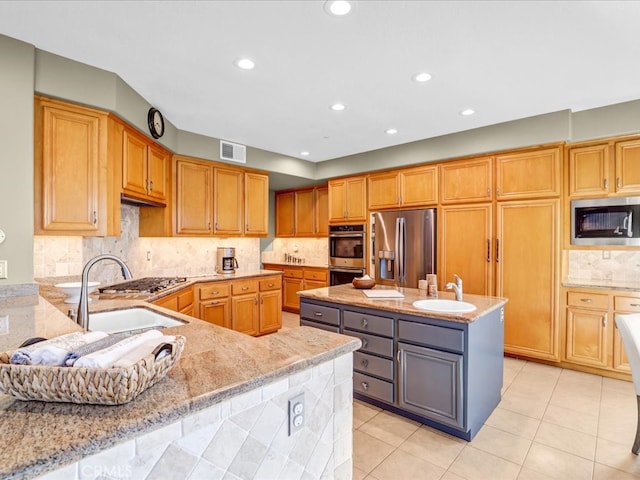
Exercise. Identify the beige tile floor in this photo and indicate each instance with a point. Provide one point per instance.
(552, 423)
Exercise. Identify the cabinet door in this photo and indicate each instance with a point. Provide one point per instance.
(356, 199)
(466, 181)
(270, 311)
(384, 190)
(228, 201)
(245, 314)
(256, 204)
(285, 214)
(70, 157)
(531, 174)
(194, 205)
(134, 164)
(589, 170)
(467, 247)
(337, 200)
(321, 224)
(290, 289)
(620, 359)
(628, 167)
(527, 274)
(158, 172)
(587, 337)
(418, 186)
(430, 384)
(216, 311)
(303, 206)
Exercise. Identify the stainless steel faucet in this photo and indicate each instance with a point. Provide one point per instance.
(83, 306)
(457, 287)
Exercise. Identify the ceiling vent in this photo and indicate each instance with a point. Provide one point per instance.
(233, 152)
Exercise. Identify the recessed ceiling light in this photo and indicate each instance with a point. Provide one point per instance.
(467, 112)
(304, 153)
(391, 131)
(421, 77)
(337, 7)
(245, 64)
(337, 107)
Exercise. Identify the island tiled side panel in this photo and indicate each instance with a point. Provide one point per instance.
(245, 437)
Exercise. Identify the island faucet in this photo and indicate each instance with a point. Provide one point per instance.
(83, 306)
(457, 287)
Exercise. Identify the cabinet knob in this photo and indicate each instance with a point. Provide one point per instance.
(271, 284)
(245, 288)
(364, 343)
(365, 385)
(317, 314)
(365, 324)
(634, 304)
(586, 300)
(365, 363)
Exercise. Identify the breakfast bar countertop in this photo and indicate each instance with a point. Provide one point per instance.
(217, 364)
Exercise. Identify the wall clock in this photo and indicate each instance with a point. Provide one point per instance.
(156, 122)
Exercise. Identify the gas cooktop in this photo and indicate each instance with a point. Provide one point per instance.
(143, 285)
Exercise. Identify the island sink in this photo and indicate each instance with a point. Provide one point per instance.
(130, 319)
(444, 306)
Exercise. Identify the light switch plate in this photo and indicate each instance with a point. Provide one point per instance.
(3, 269)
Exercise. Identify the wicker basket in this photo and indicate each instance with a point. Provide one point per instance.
(103, 386)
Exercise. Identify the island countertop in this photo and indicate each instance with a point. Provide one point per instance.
(348, 295)
(217, 364)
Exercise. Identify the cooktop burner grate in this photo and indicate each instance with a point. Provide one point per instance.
(143, 285)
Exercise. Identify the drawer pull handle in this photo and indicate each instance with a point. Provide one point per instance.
(364, 342)
(365, 324)
(317, 314)
(245, 288)
(634, 304)
(271, 284)
(365, 363)
(365, 385)
(586, 300)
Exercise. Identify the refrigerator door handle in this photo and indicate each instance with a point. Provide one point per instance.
(402, 245)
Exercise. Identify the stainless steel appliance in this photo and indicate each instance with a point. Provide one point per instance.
(605, 221)
(404, 246)
(227, 262)
(346, 253)
(143, 285)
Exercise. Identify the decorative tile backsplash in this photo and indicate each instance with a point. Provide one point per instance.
(623, 265)
(314, 251)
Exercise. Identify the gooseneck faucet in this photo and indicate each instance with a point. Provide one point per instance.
(457, 287)
(83, 306)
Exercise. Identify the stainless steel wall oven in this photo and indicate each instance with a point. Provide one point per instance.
(347, 249)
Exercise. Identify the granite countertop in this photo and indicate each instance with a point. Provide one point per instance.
(290, 264)
(217, 364)
(601, 284)
(348, 295)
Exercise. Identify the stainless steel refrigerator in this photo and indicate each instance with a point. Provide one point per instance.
(404, 246)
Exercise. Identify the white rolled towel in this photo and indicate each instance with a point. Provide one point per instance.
(53, 351)
(134, 356)
(106, 357)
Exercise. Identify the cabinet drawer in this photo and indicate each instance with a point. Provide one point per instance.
(431, 335)
(322, 326)
(380, 367)
(271, 283)
(373, 343)
(373, 387)
(185, 298)
(320, 313)
(368, 323)
(319, 275)
(242, 287)
(588, 300)
(626, 304)
(292, 273)
(214, 290)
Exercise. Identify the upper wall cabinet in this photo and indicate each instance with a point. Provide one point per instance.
(193, 202)
(348, 200)
(302, 212)
(256, 204)
(145, 168)
(532, 174)
(410, 187)
(71, 171)
(228, 206)
(606, 168)
(466, 181)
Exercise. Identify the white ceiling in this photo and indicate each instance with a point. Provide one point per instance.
(506, 60)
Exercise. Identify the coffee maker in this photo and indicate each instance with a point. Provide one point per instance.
(227, 262)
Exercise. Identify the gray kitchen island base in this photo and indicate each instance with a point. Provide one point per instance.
(444, 373)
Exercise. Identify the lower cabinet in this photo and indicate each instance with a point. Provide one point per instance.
(296, 278)
(445, 374)
(180, 301)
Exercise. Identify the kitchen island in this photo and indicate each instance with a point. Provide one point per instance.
(441, 369)
(222, 409)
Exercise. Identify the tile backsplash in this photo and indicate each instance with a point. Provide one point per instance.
(623, 266)
(314, 251)
(56, 256)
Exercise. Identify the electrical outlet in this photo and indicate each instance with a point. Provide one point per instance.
(296, 413)
(3, 269)
(606, 254)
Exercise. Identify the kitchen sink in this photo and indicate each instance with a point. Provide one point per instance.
(444, 306)
(130, 320)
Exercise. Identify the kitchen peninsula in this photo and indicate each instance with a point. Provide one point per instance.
(222, 408)
(439, 368)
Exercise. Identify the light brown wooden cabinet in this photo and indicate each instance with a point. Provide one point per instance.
(181, 301)
(228, 205)
(529, 174)
(285, 214)
(610, 168)
(465, 181)
(408, 187)
(347, 200)
(193, 199)
(302, 212)
(321, 211)
(296, 278)
(214, 303)
(71, 171)
(145, 168)
(256, 204)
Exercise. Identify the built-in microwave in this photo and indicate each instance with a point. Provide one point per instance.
(605, 221)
